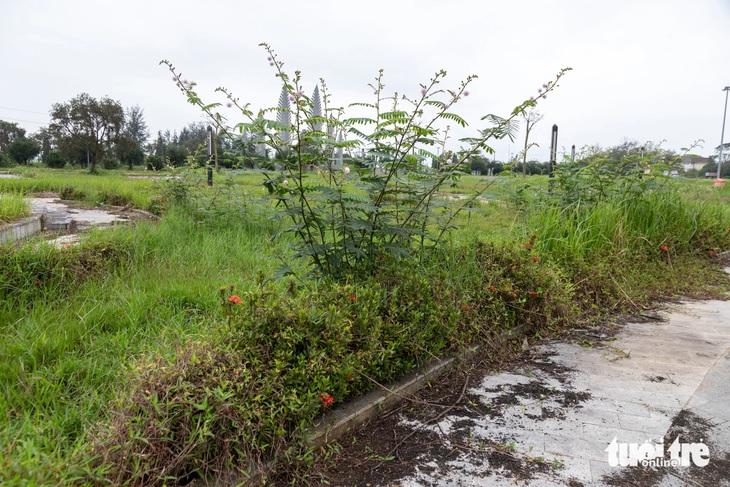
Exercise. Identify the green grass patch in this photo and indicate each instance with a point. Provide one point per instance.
(13, 207)
(109, 187)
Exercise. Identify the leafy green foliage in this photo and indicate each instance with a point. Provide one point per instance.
(86, 126)
(146, 293)
(23, 149)
(155, 163)
(6, 160)
(54, 159)
(282, 358)
(9, 131)
(385, 202)
(622, 200)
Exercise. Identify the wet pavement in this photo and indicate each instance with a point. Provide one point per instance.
(59, 216)
(658, 393)
(69, 220)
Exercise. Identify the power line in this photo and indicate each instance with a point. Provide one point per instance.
(19, 110)
(19, 120)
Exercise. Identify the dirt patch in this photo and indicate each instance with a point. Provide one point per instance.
(46, 194)
(431, 434)
(656, 378)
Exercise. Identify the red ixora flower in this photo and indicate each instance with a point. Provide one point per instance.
(326, 399)
(234, 299)
(352, 297)
(664, 248)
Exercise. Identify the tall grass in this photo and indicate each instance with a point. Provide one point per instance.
(13, 207)
(640, 224)
(72, 321)
(110, 188)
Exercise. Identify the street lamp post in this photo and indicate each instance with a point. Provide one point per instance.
(722, 135)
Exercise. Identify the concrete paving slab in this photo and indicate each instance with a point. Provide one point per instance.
(59, 216)
(655, 426)
(656, 381)
(568, 448)
(619, 407)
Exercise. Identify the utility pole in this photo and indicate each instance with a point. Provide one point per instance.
(722, 135)
(553, 148)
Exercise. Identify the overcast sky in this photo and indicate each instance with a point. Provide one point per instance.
(646, 70)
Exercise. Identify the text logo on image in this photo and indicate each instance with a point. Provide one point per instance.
(650, 454)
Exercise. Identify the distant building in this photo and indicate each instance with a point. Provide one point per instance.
(694, 163)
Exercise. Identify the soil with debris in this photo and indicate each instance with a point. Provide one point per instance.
(392, 446)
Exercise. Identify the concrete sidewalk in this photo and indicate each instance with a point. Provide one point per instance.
(557, 420)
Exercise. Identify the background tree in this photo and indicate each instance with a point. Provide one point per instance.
(135, 126)
(23, 149)
(85, 125)
(54, 159)
(177, 155)
(129, 151)
(9, 131)
(44, 137)
(193, 136)
(129, 146)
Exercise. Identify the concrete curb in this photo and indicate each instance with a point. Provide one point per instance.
(355, 412)
(346, 416)
(23, 229)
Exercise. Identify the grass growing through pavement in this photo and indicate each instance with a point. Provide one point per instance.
(127, 334)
